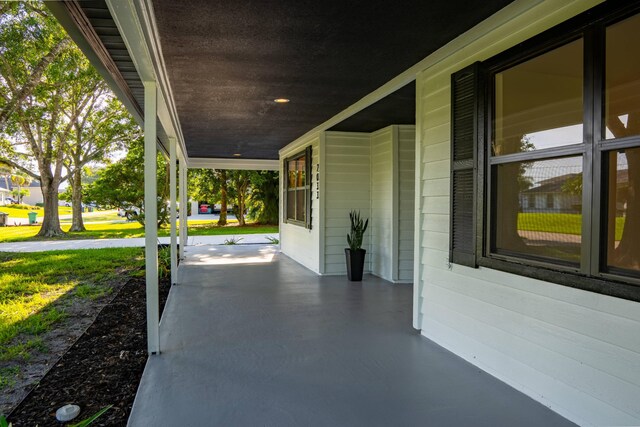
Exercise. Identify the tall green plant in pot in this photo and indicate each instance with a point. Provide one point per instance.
(354, 253)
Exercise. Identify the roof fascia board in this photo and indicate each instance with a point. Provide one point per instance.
(81, 38)
(150, 29)
(496, 20)
(246, 164)
(133, 24)
(124, 15)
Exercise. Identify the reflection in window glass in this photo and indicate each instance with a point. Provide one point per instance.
(538, 104)
(301, 204)
(291, 174)
(301, 171)
(623, 210)
(622, 96)
(291, 204)
(538, 209)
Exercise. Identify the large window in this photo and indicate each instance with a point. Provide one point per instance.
(298, 189)
(538, 111)
(556, 150)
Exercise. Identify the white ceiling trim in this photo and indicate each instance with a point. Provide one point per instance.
(246, 164)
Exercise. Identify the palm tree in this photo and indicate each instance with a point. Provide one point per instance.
(20, 180)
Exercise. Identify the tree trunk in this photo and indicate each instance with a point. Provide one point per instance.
(241, 207)
(77, 223)
(51, 222)
(627, 254)
(223, 198)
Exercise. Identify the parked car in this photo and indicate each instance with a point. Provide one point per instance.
(10, 201)
(130, 213)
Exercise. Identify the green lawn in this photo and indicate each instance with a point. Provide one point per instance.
(23, 210)
(98, 216)
(35, 288)
(131, 229)
(558, 223)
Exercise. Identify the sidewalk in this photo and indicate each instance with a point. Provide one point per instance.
(59, 245)
(87, 218)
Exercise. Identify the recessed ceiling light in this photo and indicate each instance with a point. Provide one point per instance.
(237, 155)
(281, 100)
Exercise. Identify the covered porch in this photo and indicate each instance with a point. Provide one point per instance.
(250, 337)
(353, 103)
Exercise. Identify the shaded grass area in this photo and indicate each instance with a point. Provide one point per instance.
(22, 211)
(558, 223)
(129, 230)
(111, 215)
(35, 289)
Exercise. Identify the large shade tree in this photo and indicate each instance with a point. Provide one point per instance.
(210, 185)
(104, 126)
(239, 189)
(263, 204)
(49, 93)
(30, 40)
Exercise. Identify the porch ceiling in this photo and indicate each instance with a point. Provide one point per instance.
(228, 61)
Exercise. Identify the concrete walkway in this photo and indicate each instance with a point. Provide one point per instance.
(88, 215)
(59, 245)
(251, 338)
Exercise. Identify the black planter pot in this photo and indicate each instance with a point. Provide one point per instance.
(355, 264)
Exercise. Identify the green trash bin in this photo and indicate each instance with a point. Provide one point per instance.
(32, 217)
(4, 219)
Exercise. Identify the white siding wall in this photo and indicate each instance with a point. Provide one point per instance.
(575, 351)
(297, 242)
(346, 181)
(382, 202)
(406, 201)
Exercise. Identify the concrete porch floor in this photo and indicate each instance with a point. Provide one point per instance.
(251, 338)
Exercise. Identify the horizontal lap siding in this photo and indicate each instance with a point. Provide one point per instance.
(296, 241)
(347, 187)
(576, 351)
(381, 202)
(406, 198)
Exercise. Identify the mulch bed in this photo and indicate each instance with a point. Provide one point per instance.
(103, 367)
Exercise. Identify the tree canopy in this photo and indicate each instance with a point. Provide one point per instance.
(121, 184)
(252, 193)
(56, 113)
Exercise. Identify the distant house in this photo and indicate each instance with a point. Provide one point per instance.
(35, 194)
(4, 193)
(552, 195)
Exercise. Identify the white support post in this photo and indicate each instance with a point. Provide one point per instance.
(184, 203)
(174, 207)
(151, 217)
(185, 225)
(183, 206)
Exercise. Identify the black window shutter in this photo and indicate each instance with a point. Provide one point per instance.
(466, 132)
(309, 185)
